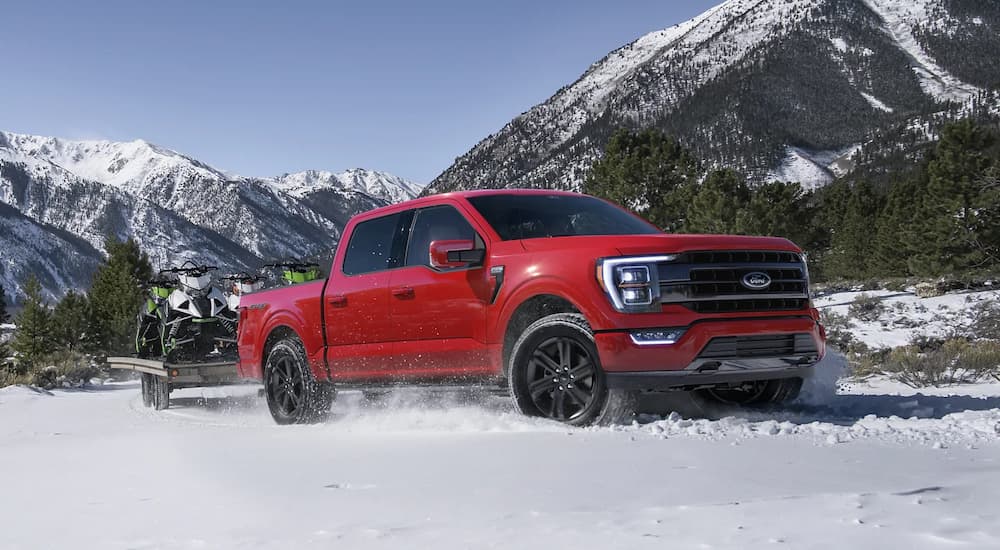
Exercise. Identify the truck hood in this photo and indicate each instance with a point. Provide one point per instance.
(631, 245)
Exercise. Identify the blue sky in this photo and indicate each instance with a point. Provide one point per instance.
(263, 88)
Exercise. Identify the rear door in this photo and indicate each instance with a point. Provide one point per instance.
(359, 327)
(439, 315)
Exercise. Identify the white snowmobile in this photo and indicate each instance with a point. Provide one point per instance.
(196, 324)
(238, 285)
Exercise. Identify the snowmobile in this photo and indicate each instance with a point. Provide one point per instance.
(196, 323)
(147, 335)
(296, 271)
(240, 284)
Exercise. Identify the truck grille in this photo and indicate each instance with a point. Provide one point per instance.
(750, 347)
(713, 281)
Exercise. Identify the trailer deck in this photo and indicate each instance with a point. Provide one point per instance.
(159, 377)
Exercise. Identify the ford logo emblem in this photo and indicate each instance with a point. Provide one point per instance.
(756, 280)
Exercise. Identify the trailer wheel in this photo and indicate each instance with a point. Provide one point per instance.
(161, 393)
(147, 389)
(555, 372)
(294, 396)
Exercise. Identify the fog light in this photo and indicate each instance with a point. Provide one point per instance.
(657, 336)
(639, 296)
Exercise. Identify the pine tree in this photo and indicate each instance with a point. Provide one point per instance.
(718, 204)
(988, 229)
(32, 338)
(780, 209)
(955, 213)
(116, 295)
(895, 240)
(850, 255)
(648, 173)
(4, 316)
(70, 318)
(4, 319)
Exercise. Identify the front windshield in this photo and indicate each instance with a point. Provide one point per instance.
(538, 216)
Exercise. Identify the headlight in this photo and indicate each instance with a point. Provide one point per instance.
(805, 273)
(632, 284)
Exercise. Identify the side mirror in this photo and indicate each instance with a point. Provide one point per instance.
(450, 254)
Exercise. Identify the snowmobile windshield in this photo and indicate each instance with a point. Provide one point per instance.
(196, 283)
(538, 216)
(246, 288)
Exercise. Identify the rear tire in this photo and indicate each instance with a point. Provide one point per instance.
(555, 372)
(293, 394)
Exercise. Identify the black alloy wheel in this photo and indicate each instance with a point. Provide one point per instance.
(562, 378)
(554, 372)
(293, 395)
(286, 385)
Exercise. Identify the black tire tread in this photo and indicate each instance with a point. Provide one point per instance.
(618, 406)
(318, 396)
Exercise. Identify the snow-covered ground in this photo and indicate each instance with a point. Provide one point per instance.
(907, 315)
(875, 466)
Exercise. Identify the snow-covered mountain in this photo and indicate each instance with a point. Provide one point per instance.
(60, 199)
(782, 89)
(372, 182)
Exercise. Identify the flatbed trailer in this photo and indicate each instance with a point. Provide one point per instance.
(159, 377)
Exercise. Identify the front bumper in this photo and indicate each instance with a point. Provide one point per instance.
(688, 363)
(730, 373)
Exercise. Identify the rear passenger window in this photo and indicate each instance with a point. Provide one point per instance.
(370, 248)
(438, 223)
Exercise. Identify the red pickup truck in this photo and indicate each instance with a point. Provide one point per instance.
(570, 302)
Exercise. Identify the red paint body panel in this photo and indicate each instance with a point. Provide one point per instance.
(619, 354)
(421, 323)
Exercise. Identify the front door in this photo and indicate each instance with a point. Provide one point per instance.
(359, 327)
(439, 314)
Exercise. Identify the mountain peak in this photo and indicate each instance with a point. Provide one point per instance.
(748, 84)
(374, 183)
(60, 198)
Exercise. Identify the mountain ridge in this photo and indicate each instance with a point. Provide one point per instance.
(177, 207)
(788, 77)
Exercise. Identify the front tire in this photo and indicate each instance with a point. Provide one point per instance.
(555, 372)
(293, 394)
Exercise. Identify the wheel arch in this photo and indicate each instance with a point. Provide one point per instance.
(275, 335)
(529, 310)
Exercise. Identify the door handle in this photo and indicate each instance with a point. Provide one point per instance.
(338, 300)
(403, 292)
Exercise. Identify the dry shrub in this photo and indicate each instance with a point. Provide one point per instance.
(956, 361)
(866, 308)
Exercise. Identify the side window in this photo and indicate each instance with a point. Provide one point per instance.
(371, 243)
(438, 223)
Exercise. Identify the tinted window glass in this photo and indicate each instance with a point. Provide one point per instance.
(538, 216)
(371, 245)
(440, 223)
